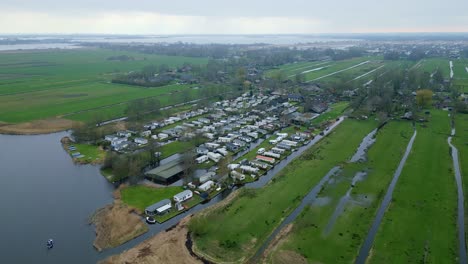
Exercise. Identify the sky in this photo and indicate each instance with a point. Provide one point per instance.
(231, 17)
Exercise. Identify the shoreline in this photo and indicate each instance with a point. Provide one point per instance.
(36, 127)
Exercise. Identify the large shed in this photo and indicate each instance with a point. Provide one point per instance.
(167, 173)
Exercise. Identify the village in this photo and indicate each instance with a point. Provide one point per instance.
(241, 142)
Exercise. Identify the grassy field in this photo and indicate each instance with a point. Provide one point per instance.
(235, 231)
(74, 80)
(92, 154)
(141, 196)
(313, 238)
(420, 224)
(318, 69)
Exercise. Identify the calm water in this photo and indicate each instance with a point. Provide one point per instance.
(44, 195)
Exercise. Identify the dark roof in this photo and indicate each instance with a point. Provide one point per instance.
(167, 170)
(157, 205)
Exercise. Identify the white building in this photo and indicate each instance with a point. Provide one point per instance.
(183, 196)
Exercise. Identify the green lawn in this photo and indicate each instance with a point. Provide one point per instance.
(432, 64)
(235, 231)
(92, 153)
(141, 196)
(44, 84)
(420, 224)
(311, 236)
(174, 148)
(335, 111)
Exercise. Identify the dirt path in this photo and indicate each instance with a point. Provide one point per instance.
(36, 127)
(166, 247)
(273, 255)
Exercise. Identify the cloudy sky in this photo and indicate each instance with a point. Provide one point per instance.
(232, 17)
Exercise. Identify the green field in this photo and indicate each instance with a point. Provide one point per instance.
(321, 69)
(314, 235)
(334, 112)
(235, 231)
(420, 224)
(92, 153)
(141, 196)
(44, 84)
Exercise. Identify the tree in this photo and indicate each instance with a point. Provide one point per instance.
(188, 164)
(300, 78)
(424, 97)
(223, 169)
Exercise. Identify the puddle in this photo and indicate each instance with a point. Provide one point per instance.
(360, 155)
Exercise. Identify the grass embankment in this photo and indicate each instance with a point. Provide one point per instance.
(50, 84)
(236, 230)
(420, 224)
(319, 240)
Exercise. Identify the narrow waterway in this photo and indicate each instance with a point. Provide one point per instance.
(367, 245)
(461, 209)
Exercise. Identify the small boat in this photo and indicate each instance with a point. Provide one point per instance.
(50, 243)
(150, 220)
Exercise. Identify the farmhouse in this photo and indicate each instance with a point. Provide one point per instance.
(183, 196)
(159, 208)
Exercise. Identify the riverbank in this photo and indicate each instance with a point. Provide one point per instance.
(37, 127)
(166, 247)
(116, 224)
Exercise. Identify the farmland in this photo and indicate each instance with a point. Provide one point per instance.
(326, 71)
(420, 224)
(326, 228)
(49, 84)
(461, 142)
(238, 229)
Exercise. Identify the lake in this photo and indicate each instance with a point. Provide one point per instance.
(44, 195)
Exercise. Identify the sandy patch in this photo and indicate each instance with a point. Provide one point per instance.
(36, 127)
(116, 224)
(166, 247)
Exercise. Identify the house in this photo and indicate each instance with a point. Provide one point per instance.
(272, 154)
(206, 186)
(283, 146)
(259, 164)
(295, 98)
(249, 169)
(183, 196)
(146, 133)
(141, 141)
(163, 135)
(289, 142)
(214, 156)
(237, 175)
(266, 159)
(159, 208)
(111, 138)
(222, 151)
(121, 146)
(278, 150)
(124, 134)
(211, 145)
(202, 150)
(233, 147)
(201, 159)
(206, 177)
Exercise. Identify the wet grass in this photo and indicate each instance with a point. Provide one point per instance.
(420, 224)
(236, 230)
(341, 243)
